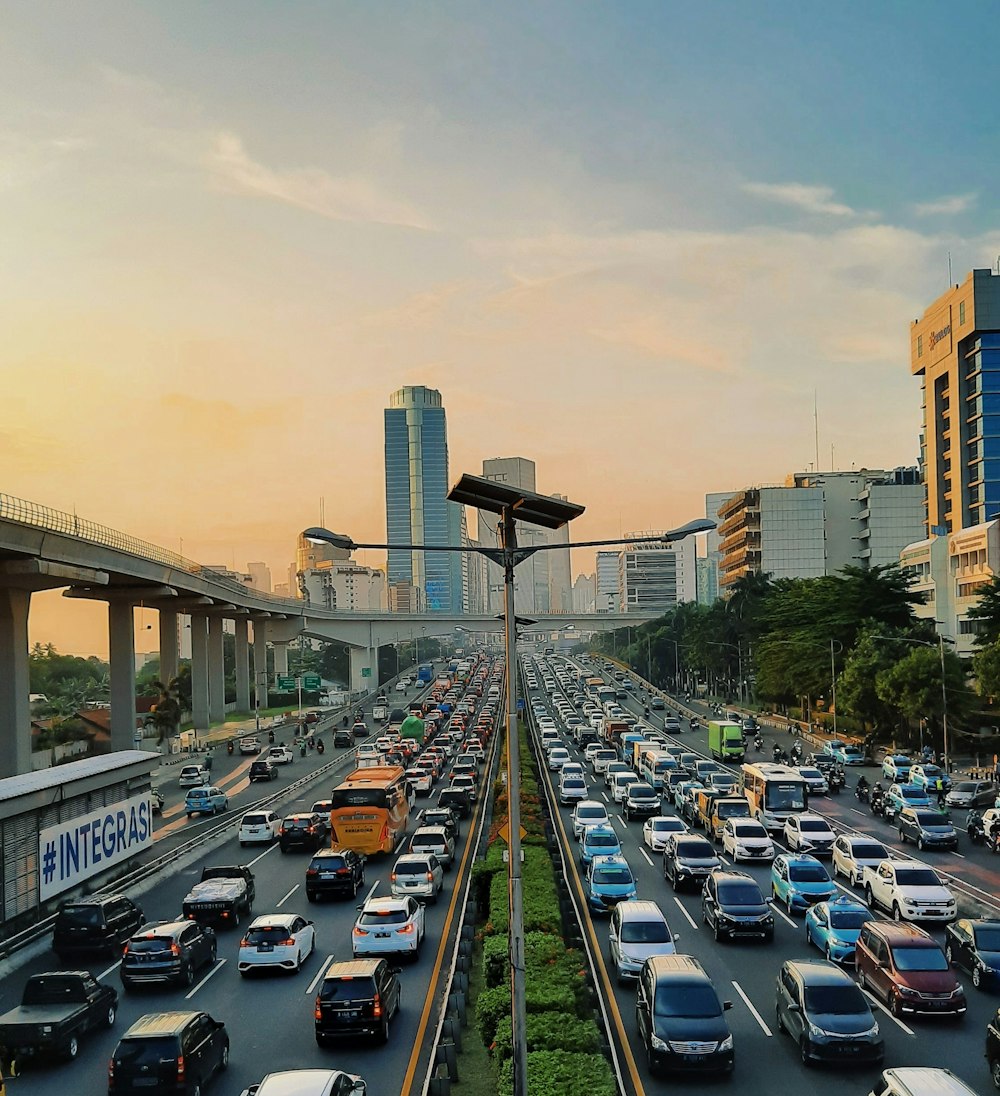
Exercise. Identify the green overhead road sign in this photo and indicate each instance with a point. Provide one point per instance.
(311, 681)
(366, 671)
(285, 684)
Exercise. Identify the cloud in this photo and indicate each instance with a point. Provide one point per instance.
(25, 159)
(338, 198)
(952, 203)
(810, 199)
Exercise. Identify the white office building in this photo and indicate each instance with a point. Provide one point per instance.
(655, 578)
(347, 586)
(607, 583)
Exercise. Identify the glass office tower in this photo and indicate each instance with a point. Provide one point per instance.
(417, 510)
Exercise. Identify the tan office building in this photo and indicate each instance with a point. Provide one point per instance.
(955, 350)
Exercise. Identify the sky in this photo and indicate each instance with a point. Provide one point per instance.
(634, 242)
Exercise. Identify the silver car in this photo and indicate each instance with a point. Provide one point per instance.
(437, 840)
(637, 931)
(419, 874)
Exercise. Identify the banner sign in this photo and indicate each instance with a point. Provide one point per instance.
(73, 851)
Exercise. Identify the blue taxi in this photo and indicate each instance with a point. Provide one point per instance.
(800, 881)
(834, 927)
(609, 881)
(598, 841)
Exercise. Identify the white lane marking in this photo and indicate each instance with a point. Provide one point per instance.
(319, 974)
(749, 1004)
(288, 895)
(270, 848)
(218, 966)
(854, 810)
(621, 822)
(687, 916)
(113, 967)
(605, 794)
(783, 916)
(372, 891)
(649, 859)
(878, 1004)
(959, 855)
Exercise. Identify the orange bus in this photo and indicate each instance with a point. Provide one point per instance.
(370, 809)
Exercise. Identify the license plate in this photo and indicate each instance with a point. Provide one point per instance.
(265, 947)
(350, 1014)
(692, 1057)
(145, 1082)
(382, 935)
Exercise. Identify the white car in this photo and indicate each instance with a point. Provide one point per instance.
(388, 926)
(853, 852)
(747, 839)
(419, 874)
(619, 784)
(590, 749)
(259, 827)
(546, 723)
(282, 940)
(816, 782)
(809, 832)
(193, 776)
(280, 755)
(572, 768)
(572, 788)
(657, 829)
(601, 758)
(588, 812)
(421, 779)
(558, 756)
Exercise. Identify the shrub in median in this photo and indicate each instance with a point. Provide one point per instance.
(562, 1073)
(549, 1031)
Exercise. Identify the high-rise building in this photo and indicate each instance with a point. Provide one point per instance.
(344, 586)
(706, 580)
(713, 500)
(260, 576)
(607, 600)
(955, 350)
(584, 593)
(655, 578)
(819, 523)
(417, 510)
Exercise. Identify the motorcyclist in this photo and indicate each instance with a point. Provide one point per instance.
(758, 742)
(863, 783)
(974, 826)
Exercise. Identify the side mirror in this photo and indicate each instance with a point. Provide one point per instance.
(727, 1005)
(794, 1007)
(677, 936)
(768, 901)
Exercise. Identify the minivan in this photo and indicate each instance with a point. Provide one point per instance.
(637, 931)
(175, 1052)
(920, 1081)
(356, 997)
(680, 1018)
(906, 968)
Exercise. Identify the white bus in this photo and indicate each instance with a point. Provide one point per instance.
(774, 792)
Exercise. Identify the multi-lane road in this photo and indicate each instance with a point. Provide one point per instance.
(269, 1018)
(767, 1063)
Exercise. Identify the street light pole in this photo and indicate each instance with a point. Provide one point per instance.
(833, 688)
(944, 707)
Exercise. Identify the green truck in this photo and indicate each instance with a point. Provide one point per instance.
(725, 740)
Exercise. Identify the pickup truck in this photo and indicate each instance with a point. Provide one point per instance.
(380, 712)
(56, 1010)
(909, 890)
(225, 893)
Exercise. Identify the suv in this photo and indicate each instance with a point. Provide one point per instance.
(436, 840)
(334, 872)
(688, 858)
(262, 770)
(301, 831)
(907, 969)
(458, 799)
(95, 924)
(826, 1014)
(168, 1052)
(342, 737)
(732, 905)
(356, 997)
(169, 951)
(680, 1017)
(926, 829)
(921, 1081)
(642, 800)
(609, 881)
(637, 931)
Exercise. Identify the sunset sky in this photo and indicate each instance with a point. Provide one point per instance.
(629, 241)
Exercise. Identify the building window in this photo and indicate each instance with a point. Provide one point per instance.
(961, 312)
(920, 346)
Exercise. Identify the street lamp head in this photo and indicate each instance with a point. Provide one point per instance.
(317, 535)
(698, 525)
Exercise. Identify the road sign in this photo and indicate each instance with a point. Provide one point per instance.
(285, 683)
(366, 671)
(520, 704)
(311, 681)
(504, 833)
(137, 739)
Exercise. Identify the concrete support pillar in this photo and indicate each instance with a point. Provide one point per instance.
(15, 708)
(169, 651)
(362, 659)
(121, 641)
(242, 665)
(199, 671)
(280, 658)
(216, 672)
(260, 661)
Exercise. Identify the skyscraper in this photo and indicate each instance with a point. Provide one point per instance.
(417, 510)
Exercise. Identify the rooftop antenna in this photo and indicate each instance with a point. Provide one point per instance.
(833, 466)
(816, 427)
(949, 269)
(322, 511)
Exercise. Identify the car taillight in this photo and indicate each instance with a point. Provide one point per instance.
(343, 871)
(317, 1011)
(406, 929)
(312, 871)
(377, 1007)
(282, 831)
(429, 876)
(358, 931)
(392, 877)
(180, 1070)
(125, 950)
(175, 949)
(111, 1073)
(245, 942)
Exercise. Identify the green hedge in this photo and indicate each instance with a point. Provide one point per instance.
(549, 1031)
(560, 1073)
(539, 895)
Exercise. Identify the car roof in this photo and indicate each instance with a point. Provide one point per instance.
(376, 904)
(160, 928)
(814, 972)
(798, 858)
(900, 932)
(352, 968)
(644, 910)
(611, 860)
(267, 919)
(159, 1023)
(683, 968)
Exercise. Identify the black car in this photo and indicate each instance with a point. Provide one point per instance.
(441, 816)
(826, 1013)
(926, 829)
(177, 1052)
(457, 799)
(342, 737)
(89, 925)
(169, 951)
(680, 1018)
(356, 997)
(974, 945)
(334, 872)
(262, 770)
(303, 831)
(688, 858)
(732, 905)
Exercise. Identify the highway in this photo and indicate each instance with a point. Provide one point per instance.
(269, 1017)
(745, 972)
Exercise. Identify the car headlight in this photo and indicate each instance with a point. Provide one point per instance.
(727, 1043)
(657, 1043)
(905, 991)
(815, 1032)
(872, 1031)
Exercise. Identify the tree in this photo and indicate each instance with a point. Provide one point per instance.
(913, 685)
(165, 714)
(986, 613)
(856, 686)
(69, 683)
(986, 668)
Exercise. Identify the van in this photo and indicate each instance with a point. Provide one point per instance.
(175, 1052)
(100, 924)
(637, 931)
(920, 1081)
(356, 997)
(906, 968)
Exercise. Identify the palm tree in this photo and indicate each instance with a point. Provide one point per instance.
(165, 714)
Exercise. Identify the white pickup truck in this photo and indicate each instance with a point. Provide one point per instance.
(908, 890)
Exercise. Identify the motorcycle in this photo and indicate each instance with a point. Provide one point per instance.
(796, 754)
(758, 743)
(229, 747)
(319, 746)
(311, 741)
(836, 781)
(693, 723)
(302, 749)
(975, 829)
(270, 738)
(876, 801)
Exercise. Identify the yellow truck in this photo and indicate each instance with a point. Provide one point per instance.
(714, 809)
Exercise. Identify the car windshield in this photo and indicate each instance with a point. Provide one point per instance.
(81, 916)
(785, 795)
(811, 774)
(965, 786)
(696, 849)
(412, 867)
(358, 797)
(147, 946)
(931, 821)
(382, 918)
(694, 1001)
(917, 877)
(612, 875)
(591, 812)
(848, 919)
(665, 824)
(346, 989)
(642, 793)
(750, 829)
(912, 793)
(255, 820)
(740, 894)
(602, 840)
(835, 1000)
(645, 932)
(727, 810)
(869, 852)
(808, 873)
(919, 959)
(146, 1052)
